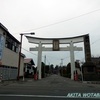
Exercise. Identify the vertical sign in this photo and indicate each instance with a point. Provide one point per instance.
(2, 41)
(87, 48)
(56, 45)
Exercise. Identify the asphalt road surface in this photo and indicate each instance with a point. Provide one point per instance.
(53, 87)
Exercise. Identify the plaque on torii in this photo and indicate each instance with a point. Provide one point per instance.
(55, 45)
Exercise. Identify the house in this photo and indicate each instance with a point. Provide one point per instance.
(29, 67)
(9, 54)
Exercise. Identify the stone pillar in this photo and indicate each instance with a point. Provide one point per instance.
(72, 60)
(39, 60)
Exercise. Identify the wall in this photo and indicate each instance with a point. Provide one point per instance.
(21, 67)
(10, 58)
(8, 73)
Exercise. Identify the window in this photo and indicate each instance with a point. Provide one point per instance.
(11, 44)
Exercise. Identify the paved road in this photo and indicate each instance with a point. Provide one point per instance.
(49, 88)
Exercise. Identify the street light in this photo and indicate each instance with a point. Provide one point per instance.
(20, 51)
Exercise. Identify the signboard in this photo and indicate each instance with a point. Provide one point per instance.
(56, 45)
(87, 48)
(2, 42)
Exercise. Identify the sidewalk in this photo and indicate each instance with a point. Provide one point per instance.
(51, 81)
(7, 82)
(92, 82)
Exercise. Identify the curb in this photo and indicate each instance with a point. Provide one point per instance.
(92, 82)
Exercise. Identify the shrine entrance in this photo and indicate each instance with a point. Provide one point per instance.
(55, 42)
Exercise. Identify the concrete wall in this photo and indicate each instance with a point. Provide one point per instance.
(21, 67)
(8, 73)
(10, 58)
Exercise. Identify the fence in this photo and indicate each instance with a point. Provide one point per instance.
(8, 73)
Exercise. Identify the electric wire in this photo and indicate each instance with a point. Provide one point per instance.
(63, 20)
(29, 51)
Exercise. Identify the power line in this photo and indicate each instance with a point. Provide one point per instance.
(92, 44)
(29, 52)
(65, 20)
(95, 41)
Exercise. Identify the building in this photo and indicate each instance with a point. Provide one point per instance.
(96, 61)
(29, 67)
(9, 54)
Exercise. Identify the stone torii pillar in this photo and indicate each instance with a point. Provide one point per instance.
(39, 60)
(72, 59)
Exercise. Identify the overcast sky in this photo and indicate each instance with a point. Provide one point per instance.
(53, 18)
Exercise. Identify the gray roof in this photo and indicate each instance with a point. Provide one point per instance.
(6, 30)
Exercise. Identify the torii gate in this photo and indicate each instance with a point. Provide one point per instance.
(56, 42)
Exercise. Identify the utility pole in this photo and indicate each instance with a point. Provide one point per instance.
(62, 62)
(45, 64)
(20, 48)
(61, 66)
(45, 59)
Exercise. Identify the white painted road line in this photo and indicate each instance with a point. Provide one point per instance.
(44, 96)
(38, 96)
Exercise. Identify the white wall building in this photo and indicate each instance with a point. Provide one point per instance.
(9, 54)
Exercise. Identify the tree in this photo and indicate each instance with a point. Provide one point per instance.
(68, 70)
